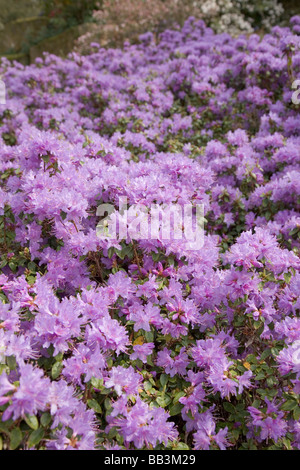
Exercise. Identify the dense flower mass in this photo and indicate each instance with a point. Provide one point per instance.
(147, 344)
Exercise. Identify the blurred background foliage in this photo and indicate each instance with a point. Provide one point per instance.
(63, 14)
(27, 28)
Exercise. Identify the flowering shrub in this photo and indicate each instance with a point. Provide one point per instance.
(142, 344)
(238, 15)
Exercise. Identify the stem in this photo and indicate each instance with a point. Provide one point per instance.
(136, 257)
(290, 66)
(99, 270)
(4, 233)
(75, 226)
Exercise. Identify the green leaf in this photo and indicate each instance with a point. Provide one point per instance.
(296, 413)
(32, 422)
(147, 386)
(120, 254)
(59, 357)
(260, 376)
(4, 367)
(181, 446)
(240, 407)
(294, 231)
(96, 383)
(155, 256)
(229, 407)
(149, 336)
(256, 404)
(56, 370)
(257, 325)
(287, 443)
(12, 266)
(63, 215)
(161, 401)
(289, 405)
(112, 432)
(94, 405)
(274, 351)
(171, 260)
(178, 396)
(35, 437)
(175, 409)
(107, 404)
(46, 158)
(16, 437)
(235, 433)
(265, 354)
(4, 427)
(46, 419)
(271, 381)
(251, 359)
(11, 362)
(31, 280)
(32, 266)
(163, 379)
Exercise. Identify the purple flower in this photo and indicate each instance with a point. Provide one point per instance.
(205, 435)
(144, 426)
(84, 362)
(5, 385)
(289, 359)
(244, 381)
(172, 365)
(124, 381)
(32, 394)
(142, 351)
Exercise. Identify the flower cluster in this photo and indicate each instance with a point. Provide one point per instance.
(144, 344)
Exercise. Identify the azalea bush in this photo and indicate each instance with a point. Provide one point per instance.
(145, 343)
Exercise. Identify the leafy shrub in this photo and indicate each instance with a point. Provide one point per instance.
(148, 343)
(70, 10)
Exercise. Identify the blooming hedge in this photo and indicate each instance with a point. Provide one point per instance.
(145, 344)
